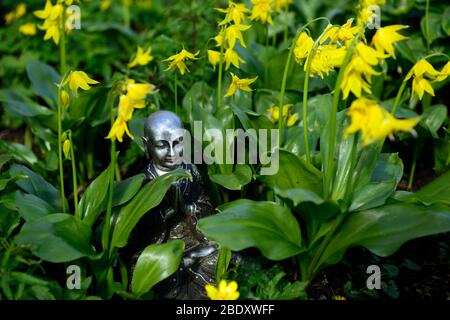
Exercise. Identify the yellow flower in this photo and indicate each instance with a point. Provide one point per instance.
(235, 12)
(50, 14)
(374, 122)
(281, 4)
(242, 84)
(28, 29)
(445, 72)
(141, 58)
(420, 86)
(66, 148)
(326, 58)
(384, 39)
(262, 10)
(20, 10)
(65, 99)
(292, 120)
(125, 108)
(118, 130)
(339, 298)
(219, 39)
(177, 60)
(79, 79)
(50, 11)
(136, 92)
(231, 57)
(224, 291)
(303, 46)
(234, 32)
(214, 57)
(274, 112)
(105, 4)
(423, 69)
(344, 33)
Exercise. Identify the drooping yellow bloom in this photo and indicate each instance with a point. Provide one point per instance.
(325, 59)
(125, 108)
(142, 58)
(343, 33)
(105, 4)
(292, 120)
(274, 112)
(303, 46)
(374, 122)
(79, 79)
(137, 92)
(242, 84)
(28, 29)
(234, 32)
(51, 15)
(225, 291)
(231, 57)
(177, 61)
(118, 130)
(384, 38)
(422, 72)
(423, 69)
(214, 57)
(18, 12)
(280, 5)
(50, 11)
(262, 10)
(445, 72)
(235, 12)
(66, 149)
(219, 39)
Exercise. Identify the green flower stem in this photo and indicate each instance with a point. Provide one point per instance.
(175, 84)
(411, 175)
(126, 13)
(219, 77)
(74, 177)
(62, 44)
(305, 94)
(266, 64)
(398, 97)
(60, 156)
(106, 232)
(285, 73)
(427, 25)
(336, 98)
(286, 24)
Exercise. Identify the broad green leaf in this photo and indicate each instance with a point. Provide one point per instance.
(146, 199)
(31, 207)
(265, 225)
(294, 172)
(18, 151)
(36, 185)
(9, 220)
(20, 106)
(433, 118)
(385, 229)
(223, 260)
(389, 166)
(202, 94)
(372, 195)
(438, 191)
(94, 198)
(240, 177)
(57, 238)
(43, 80)
(299, 195)
(156, 263)
(126, 189)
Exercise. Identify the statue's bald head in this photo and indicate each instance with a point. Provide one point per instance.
(163, 139)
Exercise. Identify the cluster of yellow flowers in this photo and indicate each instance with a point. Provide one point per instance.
(331, 51)
(274, 114)
(53, 16)
(422, 73)
(134, 98)
(18, 12)
(231, 31)
(374, 122)
(224, 291)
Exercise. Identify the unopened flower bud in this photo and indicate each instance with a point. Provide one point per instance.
(66, 149)
(65, 100)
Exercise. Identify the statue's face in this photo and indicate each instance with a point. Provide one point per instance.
(165, 145)
(164, 140)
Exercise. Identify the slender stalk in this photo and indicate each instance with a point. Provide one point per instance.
(286, 24)
(305, 94)
(398, 97)
(60, 156)
(411, 175)
(219, 77)
(427, 25)
(285, 73)
(175, 80)
(266, 64)
(74, 177)
(62, 44)
(126, 13)
(332, 140)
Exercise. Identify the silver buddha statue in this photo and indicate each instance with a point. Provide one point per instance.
(177, 215)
